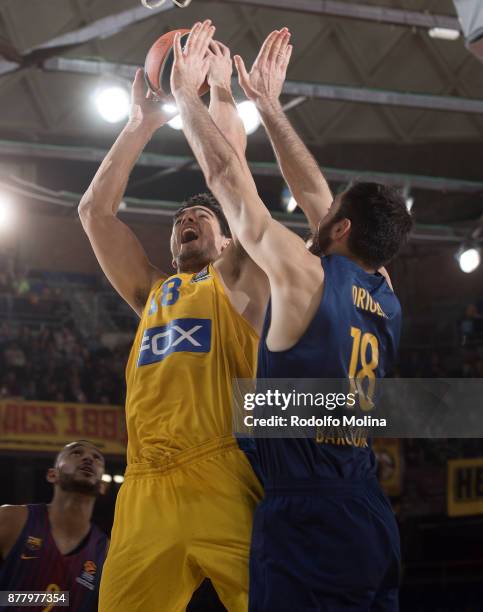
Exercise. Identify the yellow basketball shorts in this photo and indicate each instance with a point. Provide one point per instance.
(178, 523)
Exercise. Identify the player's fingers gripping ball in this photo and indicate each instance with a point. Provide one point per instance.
(159, 61)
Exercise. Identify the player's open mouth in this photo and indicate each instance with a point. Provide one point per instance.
(87, 471)
(188, 235)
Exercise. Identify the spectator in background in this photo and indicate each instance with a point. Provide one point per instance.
(14, 357)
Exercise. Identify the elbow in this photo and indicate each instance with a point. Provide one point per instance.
(221, 171)
(253, 229)
(85, 206)
(89, 207)
(86, 212)
(83, 211)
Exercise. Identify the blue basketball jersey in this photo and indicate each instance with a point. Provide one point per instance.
(356, 326)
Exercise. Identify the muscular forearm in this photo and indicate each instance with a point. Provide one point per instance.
(211, 149)
(225, 171)
(299, 168)
(224, 113)
(108, 185)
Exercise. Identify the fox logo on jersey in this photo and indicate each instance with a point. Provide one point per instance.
(180, 335)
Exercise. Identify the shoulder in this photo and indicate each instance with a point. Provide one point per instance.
(157, 279)
(12, 521)
(234, 264)
(11, 514)
(141, 295)
(304, 270)
(231, 261)
(244, 284)
(385, 274)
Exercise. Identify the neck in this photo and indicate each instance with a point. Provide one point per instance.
(338, 249)
(71, 513)
(192, 266)
(187, 269)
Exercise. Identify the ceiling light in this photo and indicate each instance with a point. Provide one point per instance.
(176, 122)
(444, 33)
(106, 478)
(6, 211)
(469, 258)
(249, 115)
(112, 104)
(408, 198)
(119, 479)
(150, 4)
(288, 201)
(291, 204)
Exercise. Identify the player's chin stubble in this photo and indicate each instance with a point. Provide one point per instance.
(69, 484)
(194, 259)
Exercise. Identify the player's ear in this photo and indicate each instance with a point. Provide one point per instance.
(173, 263)
(225, 243)
(341, 229)
(52, 475)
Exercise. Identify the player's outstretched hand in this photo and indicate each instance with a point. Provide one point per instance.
(146, 109)
(191, 64)
(221, 66)
(263, 84)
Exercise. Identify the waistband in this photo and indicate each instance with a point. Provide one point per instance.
(317, 486)
(177, 459)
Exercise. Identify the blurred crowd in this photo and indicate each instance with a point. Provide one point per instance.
(43, 355)
(59, 365)
(24, 295)
(467, 362)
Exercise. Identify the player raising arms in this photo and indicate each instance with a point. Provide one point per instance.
(324, 537)
(185, 509)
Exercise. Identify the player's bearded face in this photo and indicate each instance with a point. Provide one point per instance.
(80, 471)
(322, 238)
(196, 239)
(74, 483)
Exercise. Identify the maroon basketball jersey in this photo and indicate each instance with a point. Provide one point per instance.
(35, 564)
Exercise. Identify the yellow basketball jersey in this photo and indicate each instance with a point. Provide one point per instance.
(189, 346)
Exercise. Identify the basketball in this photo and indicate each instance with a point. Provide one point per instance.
(159, 60)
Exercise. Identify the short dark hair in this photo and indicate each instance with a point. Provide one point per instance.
(380, 221)
(71, 444)
(210, 202)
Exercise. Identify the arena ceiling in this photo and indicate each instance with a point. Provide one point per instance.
(371, 94)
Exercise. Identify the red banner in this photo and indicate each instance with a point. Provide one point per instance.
(47, 426)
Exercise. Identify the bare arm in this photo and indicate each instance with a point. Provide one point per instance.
(12, 521)
(295, 275)
(224, 113)
(246, 285)
(119, 252)
(222, 105)
(226, 172)
(300, 170)
(263, 85)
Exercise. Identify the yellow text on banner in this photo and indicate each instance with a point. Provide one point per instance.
(47, 426)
